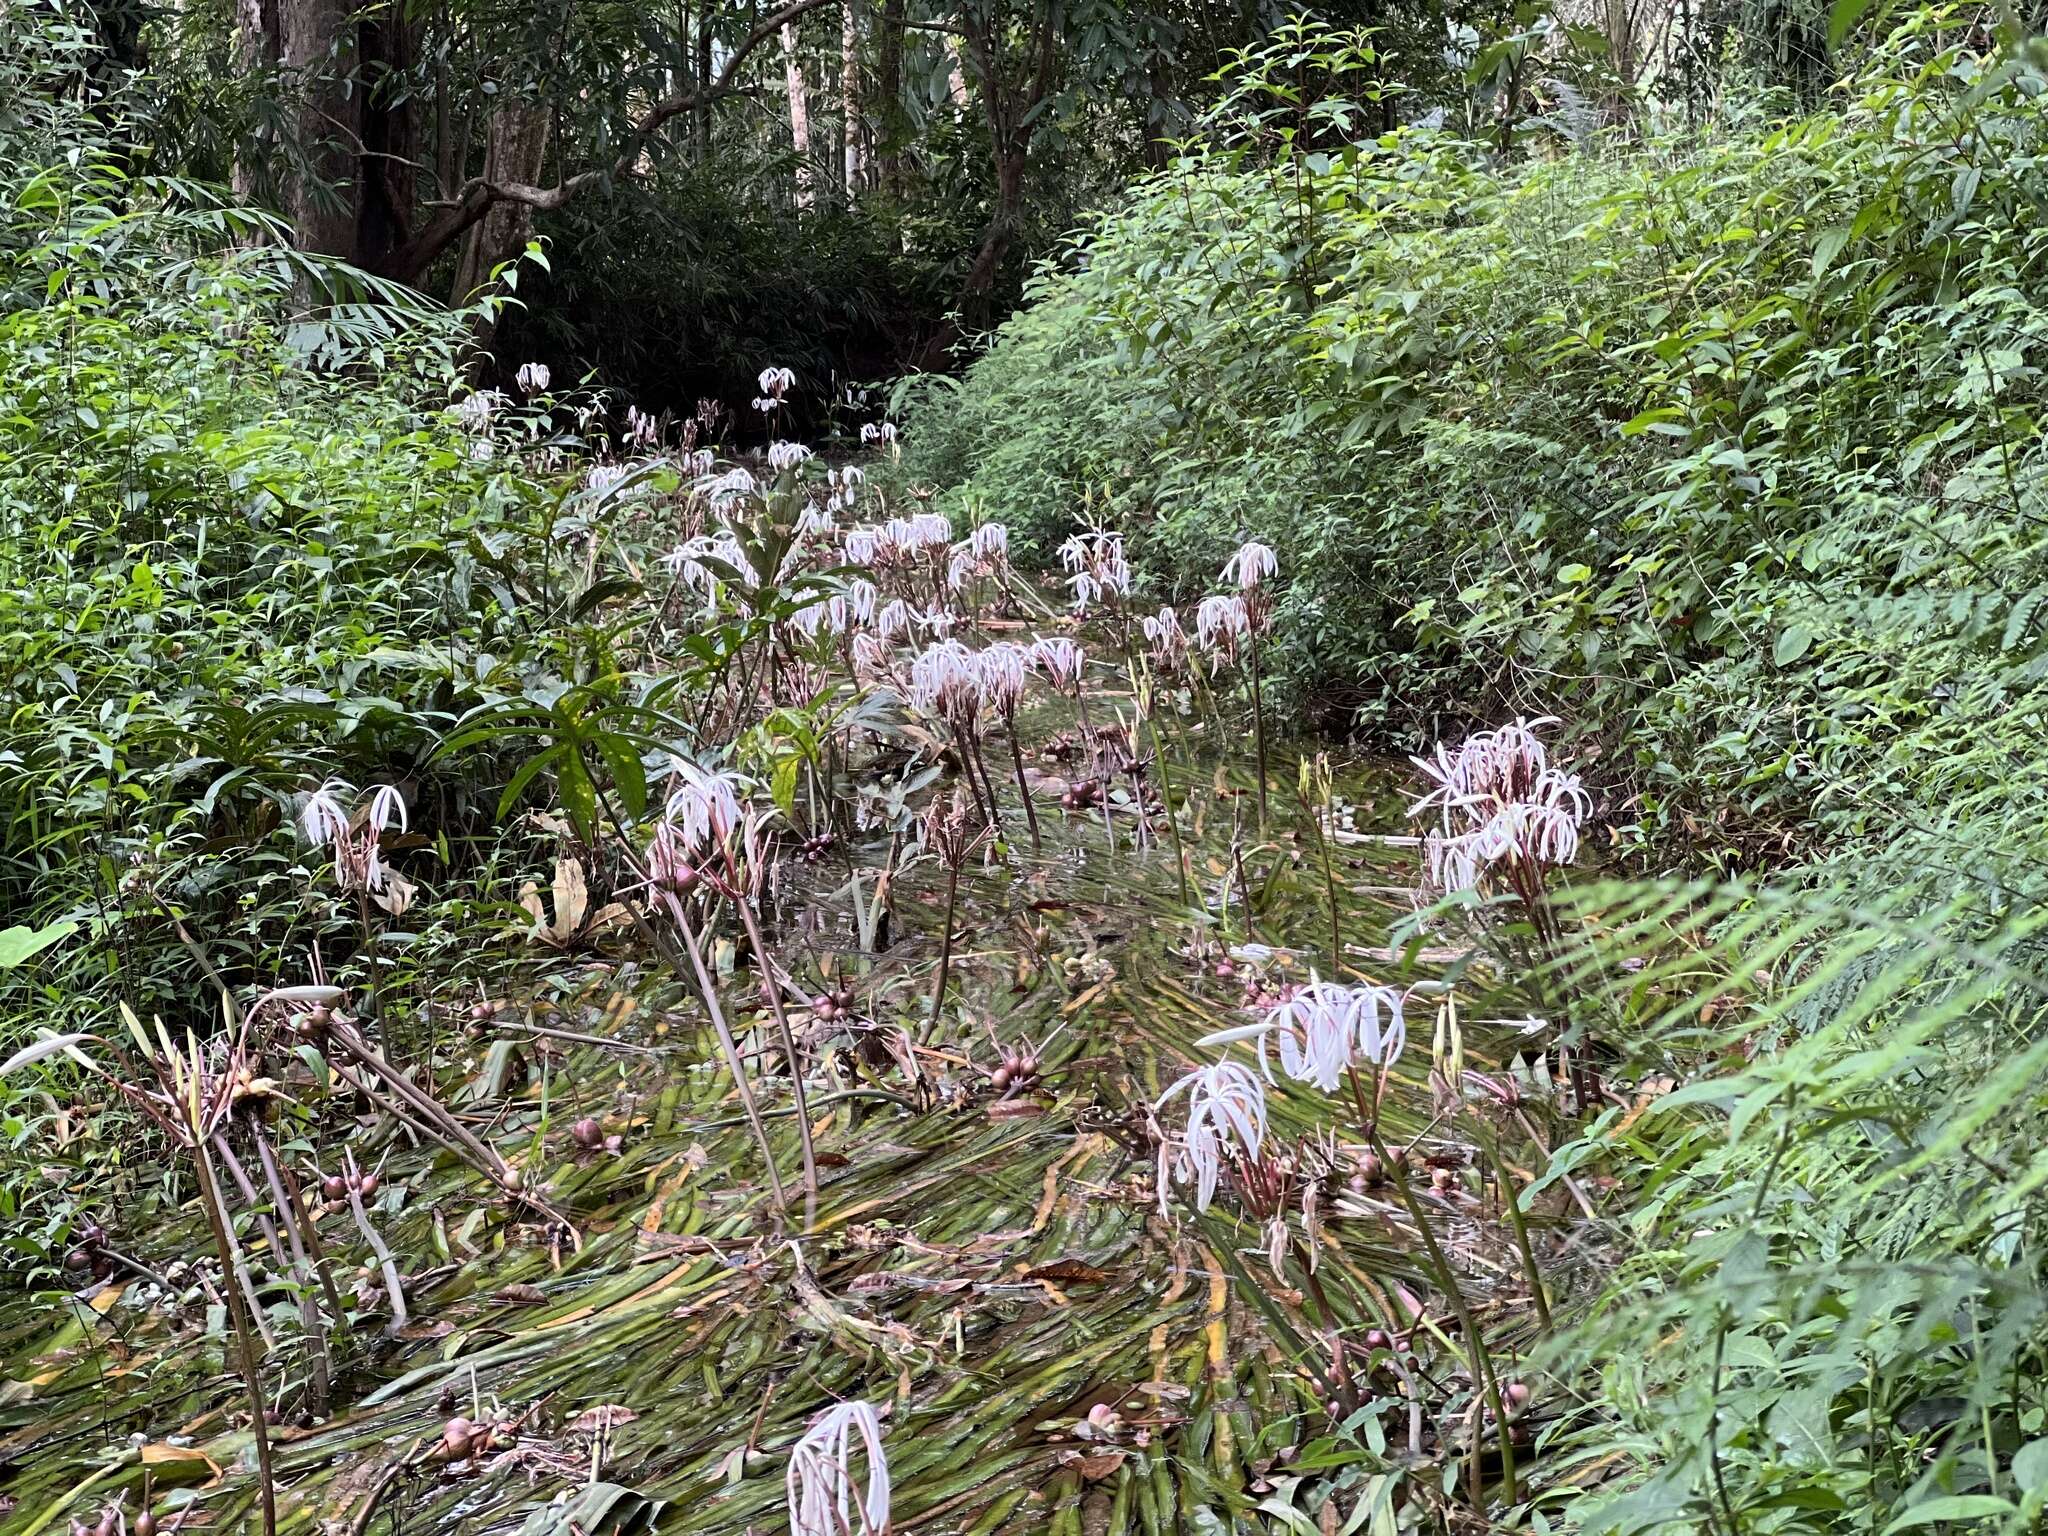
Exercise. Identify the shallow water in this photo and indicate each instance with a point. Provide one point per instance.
(989, 1270)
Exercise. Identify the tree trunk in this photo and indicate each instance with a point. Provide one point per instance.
(998, 237)
(849, 92)
(516, 151)
(703, 109)
(889, 96)
(799, 114)
(387, 175)
(256, 58)
(317, 50)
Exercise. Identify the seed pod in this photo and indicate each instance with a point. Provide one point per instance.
(586, 1133)
(1371, 1169)
(455, 1437)
(678, 882)
(144, 1524)
(1378, 1338)
(1000, 1079)
(334, 1186)
(366, 1186)
(843, 1001)
(1441, 1180)
(1515, 1395)
(483, 1012)
(77, 1259)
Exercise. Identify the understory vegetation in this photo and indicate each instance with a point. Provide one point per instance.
(1726, 448)
(584, 969)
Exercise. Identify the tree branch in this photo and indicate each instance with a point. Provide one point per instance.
(479, 195)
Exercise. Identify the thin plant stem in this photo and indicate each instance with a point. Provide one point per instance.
(796, 1065)
(730, 1047)
(1180, 856)
(1023, 789)
(946, 946)
(393, 1282)
(1259, 726)
(252, 1379)
(302, 1269)
(1475, 1347)
(1520, 1226)
(285, 1190)
(1094, 766)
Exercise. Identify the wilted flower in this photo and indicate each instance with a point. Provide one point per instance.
(1168, 641)
(883, 432)
(1324, 1029)
(1226, 1118)
(945, 679)
(1498, 797)
(606, 477)
(698, 462)
(1060, 659)
(953, 828)
(387, 805)
(1222, 621)
(533, 378)
(870, 658)
(475, 411)
(704, 804)
(322, 818)
(641, 429)
(823, 1499)
(672, 873)
(1253, 564)
(358, 862)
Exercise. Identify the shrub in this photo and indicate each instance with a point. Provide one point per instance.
(1727, 444)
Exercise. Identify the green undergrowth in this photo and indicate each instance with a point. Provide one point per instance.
(1724, 444)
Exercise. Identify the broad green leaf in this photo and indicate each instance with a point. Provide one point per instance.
(1793, 642)
(1956, 1506)
(21, 944)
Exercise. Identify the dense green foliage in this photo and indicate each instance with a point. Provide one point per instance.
(244, 548)
(1725, 446)
(1728, 449)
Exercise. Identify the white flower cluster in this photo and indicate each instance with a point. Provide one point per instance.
(1498, 797)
